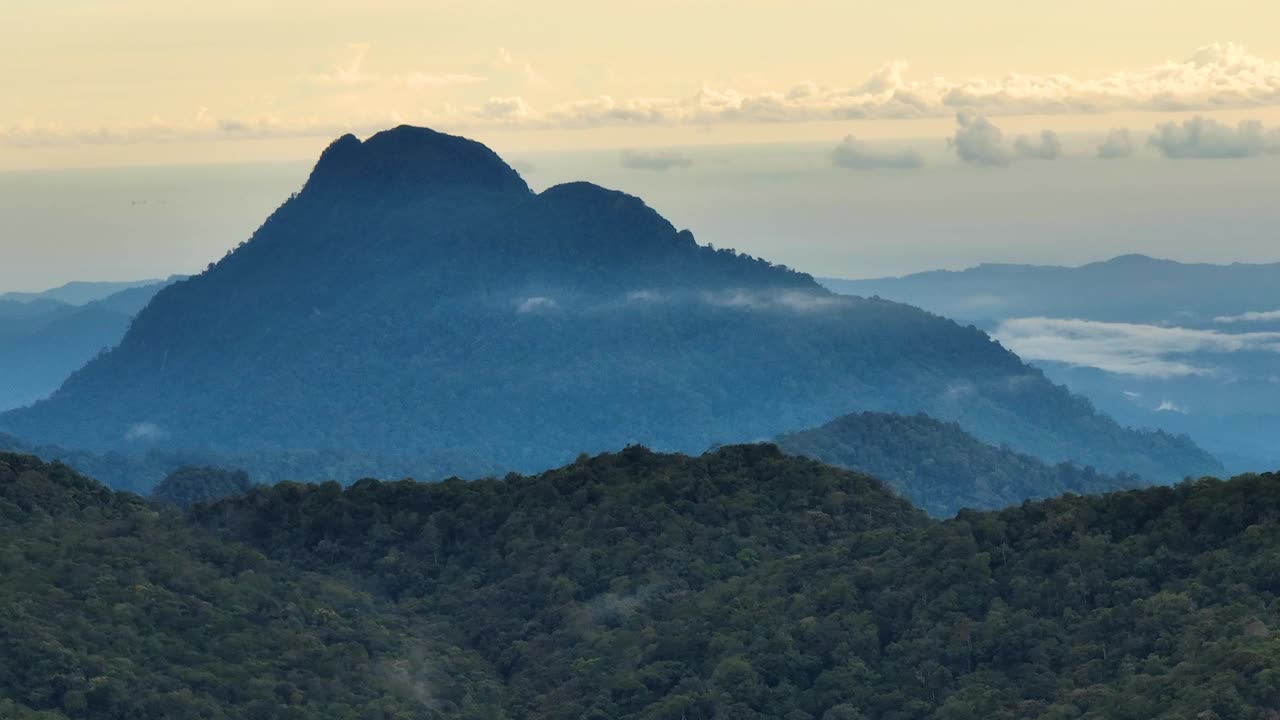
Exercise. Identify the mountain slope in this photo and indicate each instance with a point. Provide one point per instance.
(417, 300)
(940, 467)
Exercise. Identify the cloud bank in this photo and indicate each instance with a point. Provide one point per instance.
(1254, 316)
(856, 155)
(1125, 348)
(1214, 77)
(1203, 137)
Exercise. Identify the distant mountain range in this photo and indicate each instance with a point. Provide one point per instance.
(46, 336)
(1190, 348)
(80, 292)
(416, 302)
(1129, 288)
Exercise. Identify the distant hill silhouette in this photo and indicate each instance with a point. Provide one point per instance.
(417, 300)
(44, 339)
(940, 467)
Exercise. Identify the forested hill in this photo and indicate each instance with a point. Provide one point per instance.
(740, 584)
(416, 299)
(940, 467)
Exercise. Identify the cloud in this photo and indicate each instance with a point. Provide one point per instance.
(1202, 137)
(144, 431)
(1118, 144)
(1250, 317)
(1046, 147)
(1171, 406)
(1125, 348)
(1214, 77)
(658, 160)
(979, 142)
(854, 154)
(793, 301)
(535, 304)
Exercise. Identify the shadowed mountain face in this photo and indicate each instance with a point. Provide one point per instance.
(416, 300)
(940, 467)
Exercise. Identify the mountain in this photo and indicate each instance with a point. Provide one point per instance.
(743, 583)
(1187, 348)
(417, 304)
(43, 339)
(78, 292)
(1128, 288)
(941, 468)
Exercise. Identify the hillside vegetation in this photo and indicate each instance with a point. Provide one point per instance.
(740, 584)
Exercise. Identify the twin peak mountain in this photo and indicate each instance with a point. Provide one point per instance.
(416, 304)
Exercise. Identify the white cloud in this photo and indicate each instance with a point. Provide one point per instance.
(1250, 317)
(1214, 77)
(1171, 406)
(1119, 144)
(853, 154)
(979, 142)
(1203, 137)
(537, 303)
(1045, 147)
(144, 431)
(1125, 348)
(794, 301)
(654, 160)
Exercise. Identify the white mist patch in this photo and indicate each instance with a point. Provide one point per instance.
(537, 303)
(793, 301)
(144, 431)
(1253, 316)
(1125, 348)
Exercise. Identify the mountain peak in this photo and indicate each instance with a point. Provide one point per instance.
(413, 158)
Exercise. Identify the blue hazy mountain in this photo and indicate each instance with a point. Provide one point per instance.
(417, 299)
(44, 337)
(1191, 348)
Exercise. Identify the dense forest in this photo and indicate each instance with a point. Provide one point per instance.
(743, 583)
(940, 467)
(417, 305)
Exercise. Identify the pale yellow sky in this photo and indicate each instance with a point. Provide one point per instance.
(102, 82)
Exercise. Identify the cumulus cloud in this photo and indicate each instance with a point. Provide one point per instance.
(655, 160)
(537, 303)
(1045, 147)
(1214, 77)
(1253, 316)
(1125, 348)
(854, 154)
(979, 142)
(1118, 144)
(1203, 137)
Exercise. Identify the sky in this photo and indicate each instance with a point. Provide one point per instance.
(141, 137)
